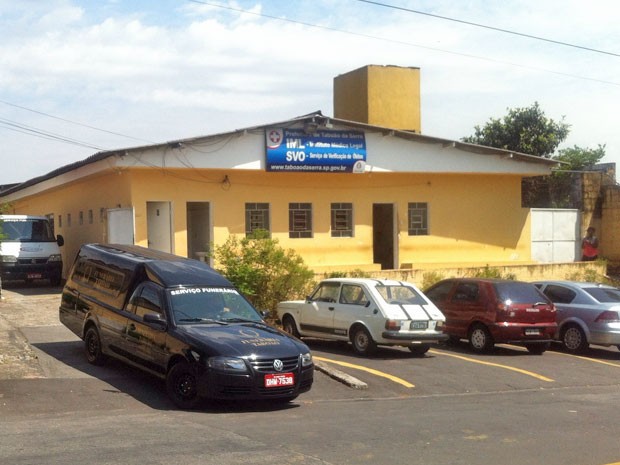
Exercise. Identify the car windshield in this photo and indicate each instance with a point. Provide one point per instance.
(192, 305)
(603, 294)
(519, 293)
(400, 294)
(26, 230)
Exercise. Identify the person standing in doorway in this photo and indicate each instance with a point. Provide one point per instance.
(589, 246)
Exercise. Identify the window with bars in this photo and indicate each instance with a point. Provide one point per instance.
(299, 220)
(342, 220)
(418, 219)
(256, 217)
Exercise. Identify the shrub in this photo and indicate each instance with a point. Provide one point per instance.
(589, 275)
(357, 273)
(262, 270)
(488, 272)
(430, 278)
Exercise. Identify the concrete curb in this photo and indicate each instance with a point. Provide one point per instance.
(341, 376)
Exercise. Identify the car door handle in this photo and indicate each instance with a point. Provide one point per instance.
(331, 309)
(132, 327)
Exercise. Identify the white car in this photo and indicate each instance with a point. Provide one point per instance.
(368, 312)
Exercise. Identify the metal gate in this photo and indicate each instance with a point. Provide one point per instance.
(555, 235)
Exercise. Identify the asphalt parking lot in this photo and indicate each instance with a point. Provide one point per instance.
(447, 407)
(33, 344)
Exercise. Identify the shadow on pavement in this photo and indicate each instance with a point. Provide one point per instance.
(34, 288)
(143, 387)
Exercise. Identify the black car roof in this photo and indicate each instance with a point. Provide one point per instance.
(164, 268)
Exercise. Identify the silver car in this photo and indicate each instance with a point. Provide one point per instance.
(587, 313)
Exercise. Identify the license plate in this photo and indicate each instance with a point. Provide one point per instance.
(532, 332)
(279, 379)
(418, 325)
(34, 276)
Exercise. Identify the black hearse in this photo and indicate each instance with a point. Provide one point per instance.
(182, 321)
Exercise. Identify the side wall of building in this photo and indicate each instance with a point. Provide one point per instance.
(79, 209)
(472, 219)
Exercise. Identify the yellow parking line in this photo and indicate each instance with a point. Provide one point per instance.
(368, 370)
(590, 360)
(506, 367)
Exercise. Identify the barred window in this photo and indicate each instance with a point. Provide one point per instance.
(256, 217)
(342, 220)
(299, 220)
(418, 219)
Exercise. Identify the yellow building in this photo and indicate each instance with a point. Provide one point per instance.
(343, 194)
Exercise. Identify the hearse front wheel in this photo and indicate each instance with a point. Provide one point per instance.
(182, 386)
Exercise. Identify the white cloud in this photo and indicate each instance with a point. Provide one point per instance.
(173, 69)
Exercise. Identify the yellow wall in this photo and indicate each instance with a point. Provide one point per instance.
(94, 193)
(387, 96)
(472, 218)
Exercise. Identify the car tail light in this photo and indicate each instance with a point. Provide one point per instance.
(608, 316)
(502, 312)
(392, 325)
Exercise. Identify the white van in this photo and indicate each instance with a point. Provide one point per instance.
(29, 250)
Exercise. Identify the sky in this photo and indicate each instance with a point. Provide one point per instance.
(80, 77)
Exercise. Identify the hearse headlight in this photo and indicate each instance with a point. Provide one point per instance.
(233, 364)
(306, 359)
(8, 259)
(55, 258)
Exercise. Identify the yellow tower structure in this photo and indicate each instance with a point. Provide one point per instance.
(387, 96)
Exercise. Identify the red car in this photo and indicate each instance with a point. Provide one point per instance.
(489, 311)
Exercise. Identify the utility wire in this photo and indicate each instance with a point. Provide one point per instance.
(32, 131)
(506, 31)
(74, 122)
(368, 36)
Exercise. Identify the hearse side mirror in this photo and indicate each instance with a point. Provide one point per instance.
(155, 319)
(60, 240)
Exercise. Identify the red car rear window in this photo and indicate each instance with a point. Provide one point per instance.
(519, 293)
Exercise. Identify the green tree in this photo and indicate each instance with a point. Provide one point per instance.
(529, 131)
(578, 158)
(260, 268)
(562, 189)
(526, 130)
